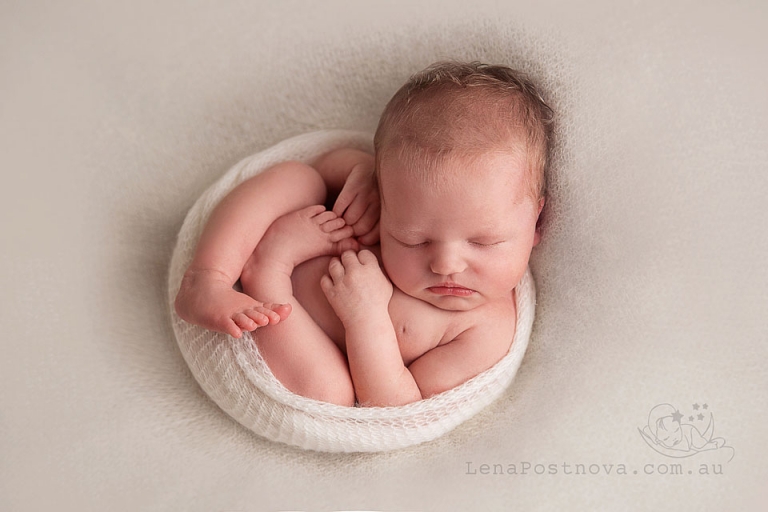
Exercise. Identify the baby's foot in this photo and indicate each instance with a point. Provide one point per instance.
(302, 235)
(205, 299)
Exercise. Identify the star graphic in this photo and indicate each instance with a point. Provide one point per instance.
(676, 416)
(690, 418)
(700, 416)
(695, 407)
(705, 406)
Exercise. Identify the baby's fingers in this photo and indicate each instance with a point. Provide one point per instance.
(367, 220)
(326, 283)
(336, 269)
(355, 211)
(366, 257)
(349, 259)
(346, 196)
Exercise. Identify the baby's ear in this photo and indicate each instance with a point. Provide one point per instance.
(537, 234)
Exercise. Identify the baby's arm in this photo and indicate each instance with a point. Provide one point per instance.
(359, 293)
(466, 356)
(335, 166)
(348, 174)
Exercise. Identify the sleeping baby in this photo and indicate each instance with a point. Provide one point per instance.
(406, 287)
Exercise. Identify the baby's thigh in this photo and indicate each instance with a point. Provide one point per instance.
(305, 360)
(307, 291)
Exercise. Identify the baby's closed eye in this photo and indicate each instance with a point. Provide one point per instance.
(476, 243)
(411, 244)
(486, 243)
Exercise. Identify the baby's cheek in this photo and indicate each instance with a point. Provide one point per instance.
(506, 274)
(401, 274)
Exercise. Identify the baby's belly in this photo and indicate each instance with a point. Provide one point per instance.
(306, 290)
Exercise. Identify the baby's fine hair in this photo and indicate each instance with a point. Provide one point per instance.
(467, 109)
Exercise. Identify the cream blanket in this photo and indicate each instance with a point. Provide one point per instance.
(651, 276)
(234, 374)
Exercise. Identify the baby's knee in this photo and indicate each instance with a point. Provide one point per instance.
(303, 180)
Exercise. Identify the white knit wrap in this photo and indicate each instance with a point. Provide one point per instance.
(233, 373)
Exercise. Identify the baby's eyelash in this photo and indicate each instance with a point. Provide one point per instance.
(478, 244)
(407, 245)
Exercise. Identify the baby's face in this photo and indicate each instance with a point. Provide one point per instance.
(461, 242)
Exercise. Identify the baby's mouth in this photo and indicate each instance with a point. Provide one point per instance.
(451, 289)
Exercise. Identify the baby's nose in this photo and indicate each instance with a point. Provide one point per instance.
(446, 262)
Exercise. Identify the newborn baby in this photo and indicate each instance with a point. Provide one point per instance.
(405, 289)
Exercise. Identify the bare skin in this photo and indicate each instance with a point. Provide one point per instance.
(454, 250)
(300, 354)
(257, 235)
(236, 226)
(449, 251)
(206, 296)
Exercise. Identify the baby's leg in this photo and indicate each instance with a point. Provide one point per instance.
(299, 353)
(234, 229)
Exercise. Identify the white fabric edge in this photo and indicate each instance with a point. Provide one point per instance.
(225, 367)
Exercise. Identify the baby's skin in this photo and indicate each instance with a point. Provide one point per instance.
(341, 318)
(206, 296)
(454, 258)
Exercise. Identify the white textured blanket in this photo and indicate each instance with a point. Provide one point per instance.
(651, 279)
(236, 377)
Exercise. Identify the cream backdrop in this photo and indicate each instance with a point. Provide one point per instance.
(116, 116)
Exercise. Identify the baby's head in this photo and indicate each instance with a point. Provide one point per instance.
(461, 153)
(454, 110)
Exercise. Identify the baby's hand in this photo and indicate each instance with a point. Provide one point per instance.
(356, 286)
(358, 204)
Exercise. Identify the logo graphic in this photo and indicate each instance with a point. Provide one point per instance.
(673, 434)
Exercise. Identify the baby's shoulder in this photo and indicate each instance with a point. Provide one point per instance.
(497, 319)
(488, 330)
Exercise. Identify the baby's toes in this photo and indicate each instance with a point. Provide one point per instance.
(333, 224)
(268, 310)
(231, 328)
(282, 310)
(313, 211)
(341, 233)
(324, 216)
(243, 322)
(259, 318)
